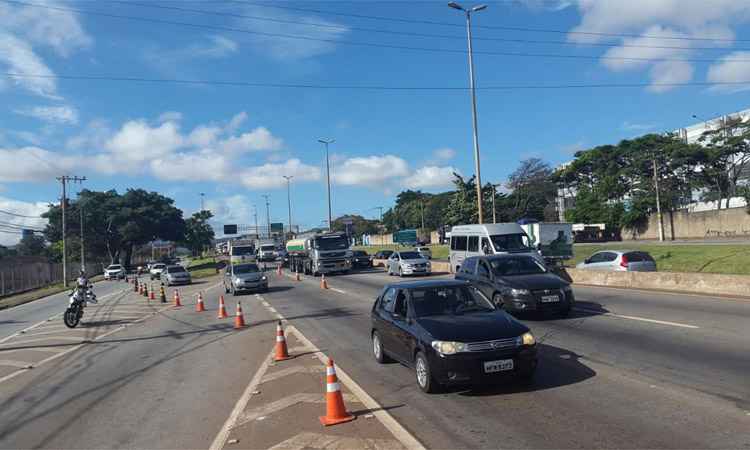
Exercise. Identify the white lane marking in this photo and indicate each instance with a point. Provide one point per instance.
(286, 402)
(641, 319)
(291, 371)
(272, 309)
(307, 440)
(43, 333)
(221, 438)
(33, 349)
(13, 363)
(28, 341)
(338, 290)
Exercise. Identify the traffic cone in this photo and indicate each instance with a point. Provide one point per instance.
(335, 410)
(199, 307)
(296, 276)
(222, 309)
(278, 271)
(282, 352)
(151, 293)
(135, 286)
(239, 319)
(145, 290)
(163, 295)
(323, 282)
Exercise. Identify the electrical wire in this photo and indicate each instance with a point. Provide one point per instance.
(20, 215)
(368, 44)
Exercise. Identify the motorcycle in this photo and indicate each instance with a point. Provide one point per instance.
(74, 312)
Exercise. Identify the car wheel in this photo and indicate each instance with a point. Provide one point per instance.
(377, 349)
(527, 377)
(233, 291)
(226, 289)
(400, 272)
(424, 376)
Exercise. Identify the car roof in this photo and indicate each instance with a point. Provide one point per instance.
(502, 256)
(490, 229)
(427, 284)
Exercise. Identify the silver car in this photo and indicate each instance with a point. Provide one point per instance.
(407, 263)
(173, 275)
(619, 261)
(424, 251)
(244, 277)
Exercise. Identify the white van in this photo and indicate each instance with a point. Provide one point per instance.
(489, 239)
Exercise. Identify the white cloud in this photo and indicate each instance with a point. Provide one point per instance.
(169, 116)
(728, 71)
(258, 139)
(236, 122)
(444, 154)
(665, 73)
(33, 164)
(271, 175)
(431, 177)
(93, 137)
(17, 56)
(204, 135)
(204, 165)
(22, 208)
(137, 141)
(66, 115)
(370, 171)
(217, 47)
(235, 209)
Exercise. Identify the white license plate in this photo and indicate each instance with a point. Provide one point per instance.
(550, 298)
(498, 366)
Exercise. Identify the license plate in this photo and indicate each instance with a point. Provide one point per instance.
(498, 366)
(550, 298)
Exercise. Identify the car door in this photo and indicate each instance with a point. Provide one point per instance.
(595, 261)
(401, 327)
(387, 328)
(393, 262)
(484, 281)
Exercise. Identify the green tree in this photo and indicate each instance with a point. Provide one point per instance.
(359, 225)
(532, 190)
(724, 157)
(198, 232)
(32, 245)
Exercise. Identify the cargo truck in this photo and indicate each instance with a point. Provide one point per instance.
(241, 250)
(320, 253)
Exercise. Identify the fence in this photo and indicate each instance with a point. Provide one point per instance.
(24, 276)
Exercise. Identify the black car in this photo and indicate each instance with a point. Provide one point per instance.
(383, 254)
(518, 283)
(360, 258)
(450, 334)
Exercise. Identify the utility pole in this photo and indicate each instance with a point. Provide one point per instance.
(326, 142)
(289, 198)
(494, 210)
(83, 252)
(268, 215)
(64, 180)
(658, 205)
(421, 207)
(203, 194)
(468, 12)
(381, 213)
(255, 213)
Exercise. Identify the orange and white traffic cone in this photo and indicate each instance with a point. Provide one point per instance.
(199, 307)
(239, 319)
(222, 309)
(177, 298)
(162, 295)
(323, 282)
(282, 352)
(151, 294)
(335, 410)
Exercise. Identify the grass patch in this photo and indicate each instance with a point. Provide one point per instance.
(35, 294)
(204, 267)
(438, 251)
(723, 259)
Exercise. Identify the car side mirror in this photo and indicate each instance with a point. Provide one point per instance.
(587, 261)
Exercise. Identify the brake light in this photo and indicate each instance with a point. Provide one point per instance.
(624, 261)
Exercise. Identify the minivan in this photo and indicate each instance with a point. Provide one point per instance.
(488, 239)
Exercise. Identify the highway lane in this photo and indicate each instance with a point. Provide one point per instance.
(604, 381)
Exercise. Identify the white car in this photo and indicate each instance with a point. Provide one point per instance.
(156, 270)
(408, 263)
(114, 272)
(424, 251)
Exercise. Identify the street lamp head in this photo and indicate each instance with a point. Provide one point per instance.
(455, 5)
(478, 8)
(326, 141)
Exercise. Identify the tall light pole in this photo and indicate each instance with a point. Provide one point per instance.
(468, 12)
(326, 142)
(83, 251)
(255, 213)
(203, 194)
(288, 179)
(64, 180)
(268, 215)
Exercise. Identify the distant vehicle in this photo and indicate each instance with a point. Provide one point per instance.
(383, 254)
(360, 258)
(244, 277)
(518, 283)
(173, 275)
(405, 237)
(488, 239)
(267, 252)
(450, 334)
(320, 253)
(553, 240)
(408, 263)
(114, 272)
(156, 270)
(424, 251)
(619, 261)
(241, 251)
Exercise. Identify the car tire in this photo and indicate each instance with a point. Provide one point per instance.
(377, 349)
(400, 272)
(226, 289)
(527, 377)
(425, 381)
(233, 291)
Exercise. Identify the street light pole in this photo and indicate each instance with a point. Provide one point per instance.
(468, 12)
(289, 198)
(65, 179)
(268, 215)
(202, 195)
(494, 210)
(83, 252)
(326, 142)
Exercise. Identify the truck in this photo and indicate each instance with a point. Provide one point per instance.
(241, 250)
(405, 237)
(553, 240)
(320, 253)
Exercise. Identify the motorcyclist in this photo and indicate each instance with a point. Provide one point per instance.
(84, 283)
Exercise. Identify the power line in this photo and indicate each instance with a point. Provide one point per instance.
(367, 44)
(18, 226)
(408, 33)
(518, 87)
(20, 215)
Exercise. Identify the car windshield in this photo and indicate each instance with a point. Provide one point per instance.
(267, 248)
(246, 268)
(239, 251)
(360, 253)
(159, 266)
(448, 300)
(331, 243)
(510, 242)
(410, 255)
(525, 265)
(114, 267)
(177, 269)
(386, 253)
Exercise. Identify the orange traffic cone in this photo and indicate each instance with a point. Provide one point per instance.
(222, 309)
(335, 410)
(177, 298)
(162, 295)
(199, 307)
(281, 351)
(296, 276)
(145, 291)
(151, 294)
(239, 319)
(323, 282)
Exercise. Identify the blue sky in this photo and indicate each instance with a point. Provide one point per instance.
(234, 143)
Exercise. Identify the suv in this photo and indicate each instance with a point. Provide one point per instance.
(156, 270)
(244, 277)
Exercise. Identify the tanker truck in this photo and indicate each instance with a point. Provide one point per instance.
(320, 253)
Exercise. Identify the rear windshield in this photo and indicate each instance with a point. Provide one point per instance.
(115, 267)
(410, 255)
(177, 269)
(359, 253)
(266, 248)
(639, 257)
(159, 266)
(246, 268)
(386, 253)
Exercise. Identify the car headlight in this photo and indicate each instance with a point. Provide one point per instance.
(528, 339)
(519, 292)
(263, 278)
(448, 348)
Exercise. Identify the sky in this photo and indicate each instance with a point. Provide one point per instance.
(225, 98)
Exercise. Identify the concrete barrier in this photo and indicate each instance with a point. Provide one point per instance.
(699, 283)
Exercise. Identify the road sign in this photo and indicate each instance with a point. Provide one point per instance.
(230, 229)
(277, 227)
(405, 237)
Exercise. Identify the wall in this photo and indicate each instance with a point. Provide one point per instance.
(24, 276)
(731, 223)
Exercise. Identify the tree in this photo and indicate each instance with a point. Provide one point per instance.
(359, 225)
(723, 157)
(32, 245)
(6, 252)
(532, 190)
(198, 232)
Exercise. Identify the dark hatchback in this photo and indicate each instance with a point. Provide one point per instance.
(518, 283)
(360, 258)
(450, 334)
